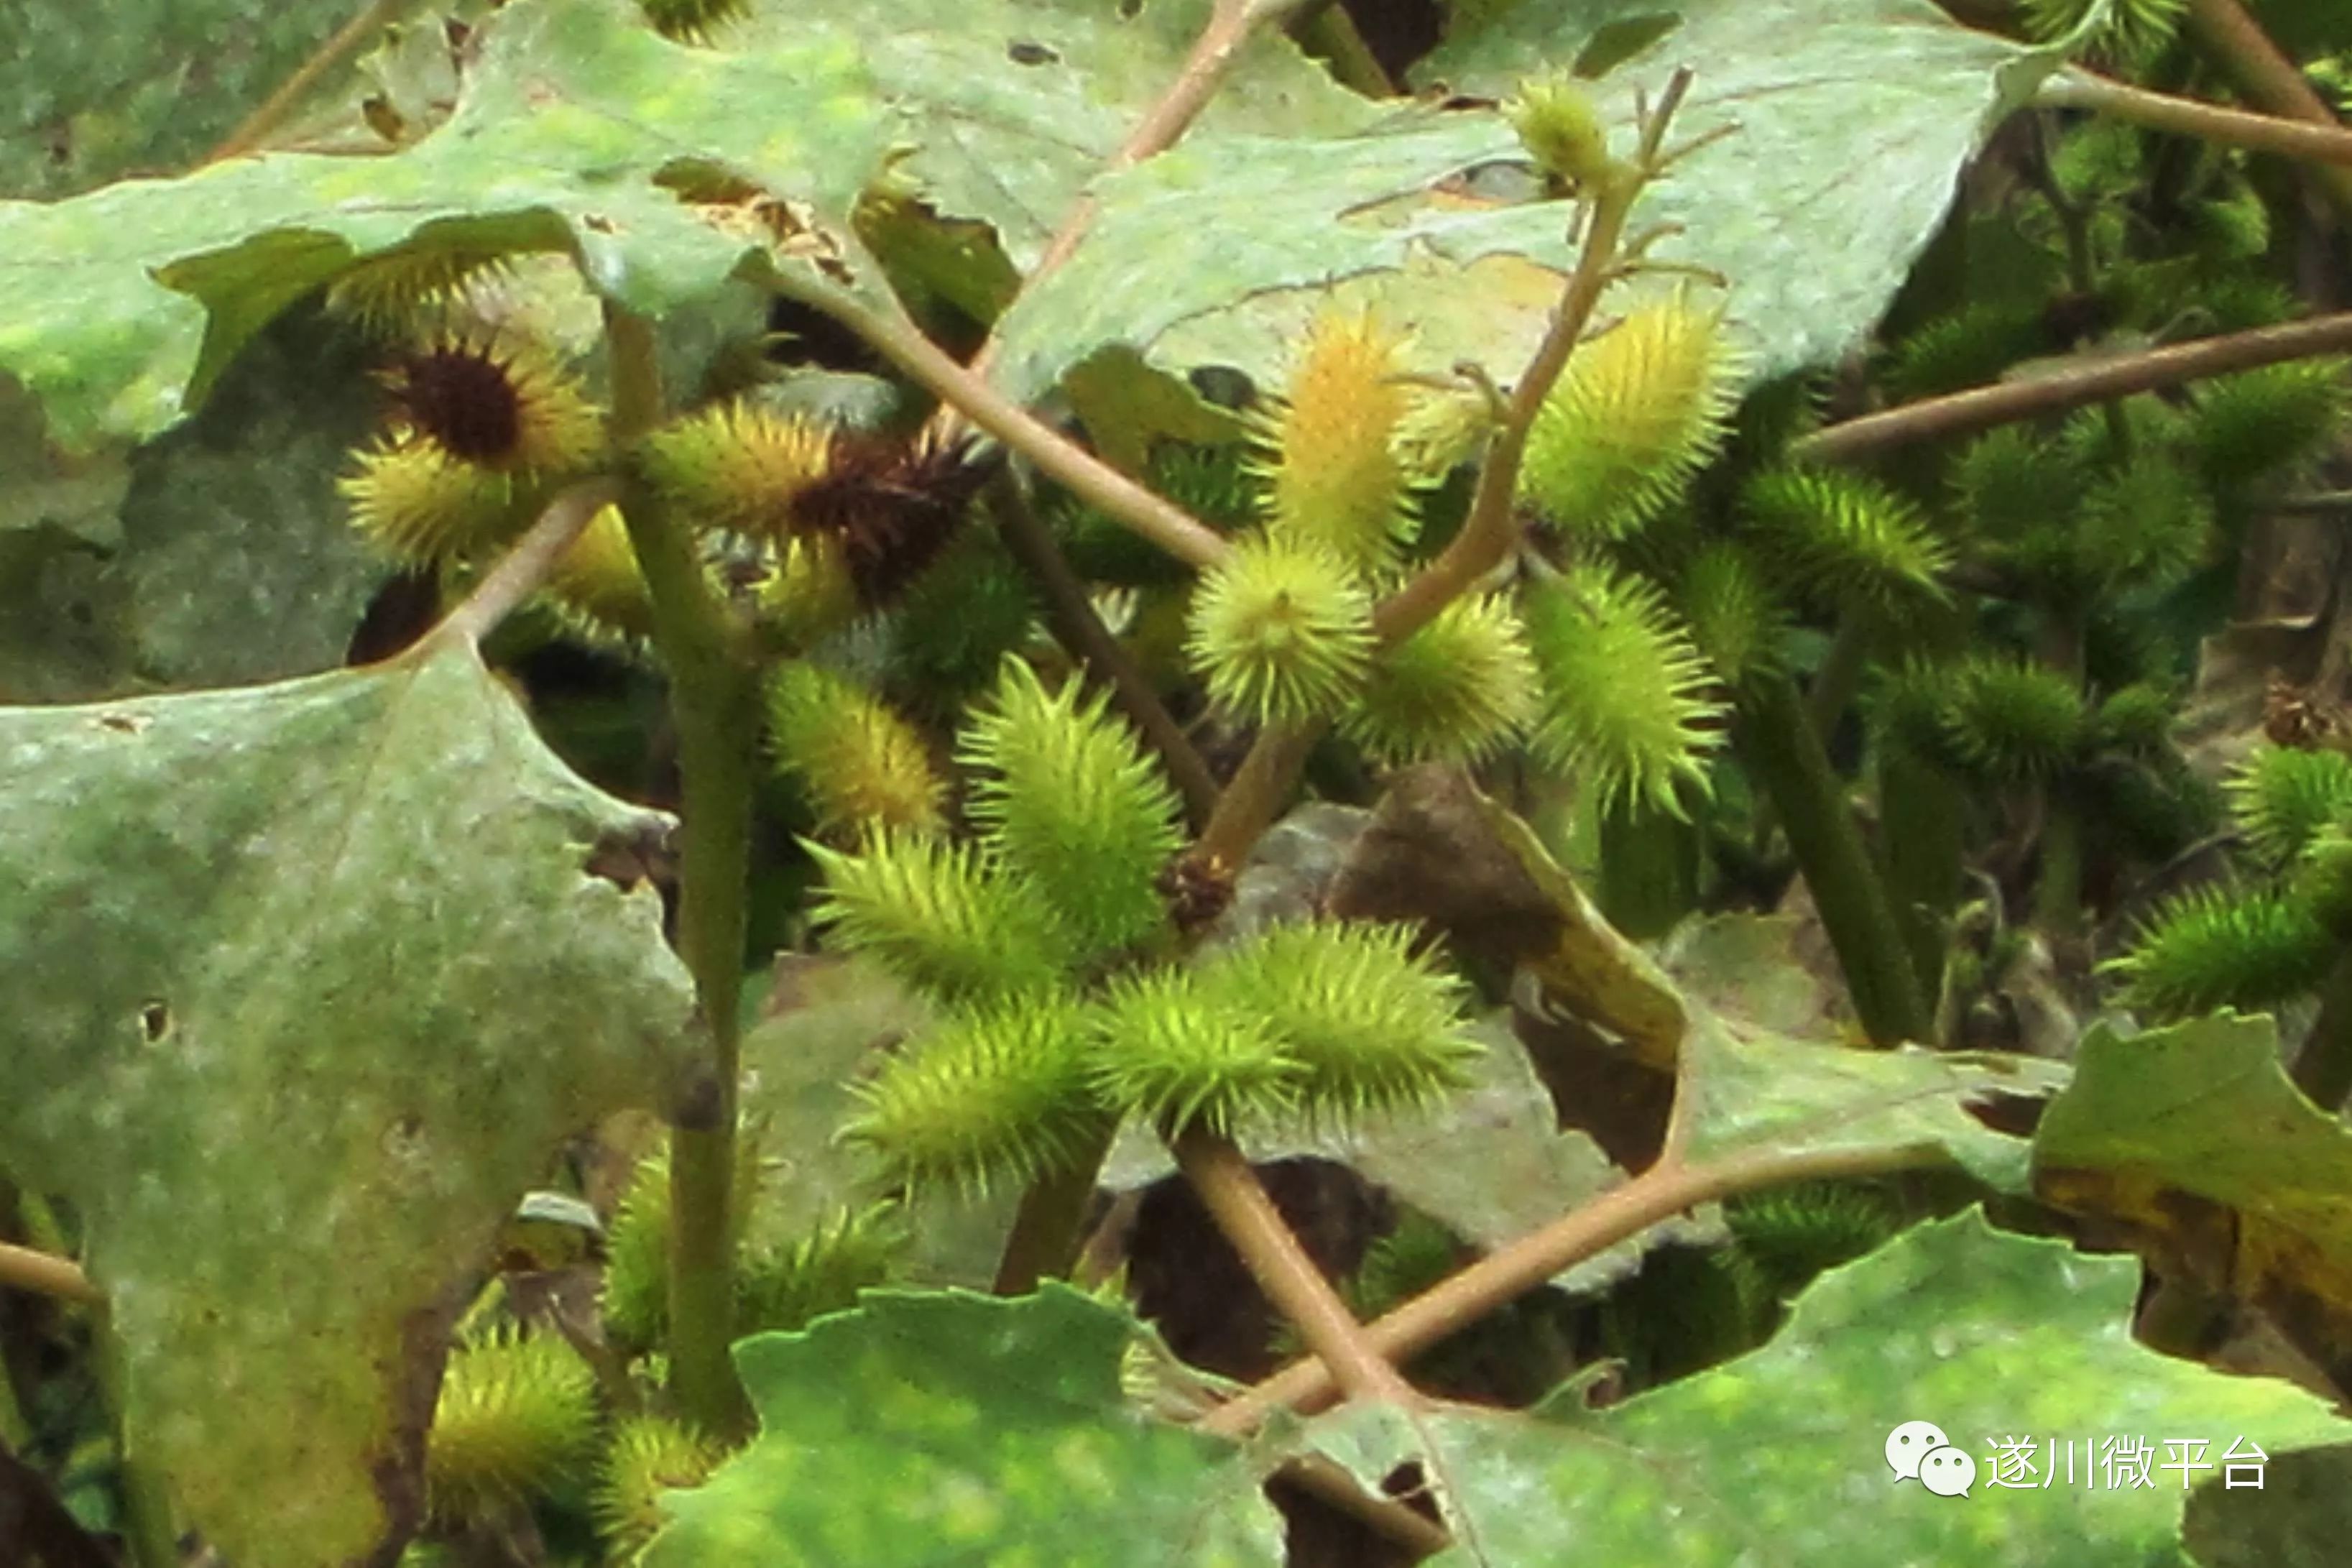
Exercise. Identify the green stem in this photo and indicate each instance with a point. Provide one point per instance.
(2322, 1068)
(1780, 747)
(147, 1531)
(1831, 692)
(714, 703)
(1649, 868)
(1049, 1226)
(2265, 78)
(1921, 813)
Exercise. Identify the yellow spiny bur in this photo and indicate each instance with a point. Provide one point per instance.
(1634, 415)
(1560, 128)
(417, 503)
(598, 584)
(516, 1417)
(806, 594)
(1282, 630)
(861, 762)
(649, 1455)
(738, 468)
(1333, 477)
(1453, 690)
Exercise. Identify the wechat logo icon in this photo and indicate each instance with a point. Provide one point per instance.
(1919, 1451)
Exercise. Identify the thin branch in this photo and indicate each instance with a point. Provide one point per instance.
(1229, 1189)
(714, 700)
(1213, 53)
(1102, 658)
(1054, 455)
(1658, 1194)
(2094, 379)
(371, 19)
(1256, 796)
(46, 1273)
(524, 567)
(2079, 89)
(2266, 77)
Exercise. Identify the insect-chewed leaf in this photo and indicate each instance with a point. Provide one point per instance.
(1066, 795)
(516, 1416)
(1455, 689)
(1002, 1092)
(1332, 478)
(1628, 703)
(1844, 537)
(2284, 795)
(2214, 948)
(649, 1456)
(1373, 1027)
(941, 916)
(1635, 413)
(737, 466)
(1179, 1057)
(1282, 629)
(861, 763)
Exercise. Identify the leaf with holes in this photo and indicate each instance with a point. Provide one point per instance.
(306, 984)
(1782, 1455)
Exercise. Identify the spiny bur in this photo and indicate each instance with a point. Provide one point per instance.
(1455, 690)
(1629, 706)
(516, 1417)
(1282, 630)
(1637, 413)
(861, 763)
(1332, 477)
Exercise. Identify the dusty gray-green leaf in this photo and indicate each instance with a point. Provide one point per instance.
(306, 984)
(1780, 1457)
(119, 309)
(1219, 253)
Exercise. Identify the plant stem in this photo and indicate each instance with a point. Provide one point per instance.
(1920, 814)
(2322, 1068)
(2265, 78)
(1328, 34)
(1085, 475)
(1328, 1481)
(526, 565)
(1657, 1195)
(1780, 749)
(1102, 658)
(713, 697)
(46, 1273)
(1049, 1226)
(1229, 1189)
(147, 1531)
(347, 38)
(2098, 379)
(1213, 53)
(2079, 89)
(1649, 868)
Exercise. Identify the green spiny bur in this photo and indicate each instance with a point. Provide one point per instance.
(941, 916)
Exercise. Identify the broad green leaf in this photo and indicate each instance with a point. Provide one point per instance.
(306, 984)
(1010, 106)
(1780, 1457)
(574, 112)
(1219, 252)
(2196, 1142)
(90, 93)
(958, 1428)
